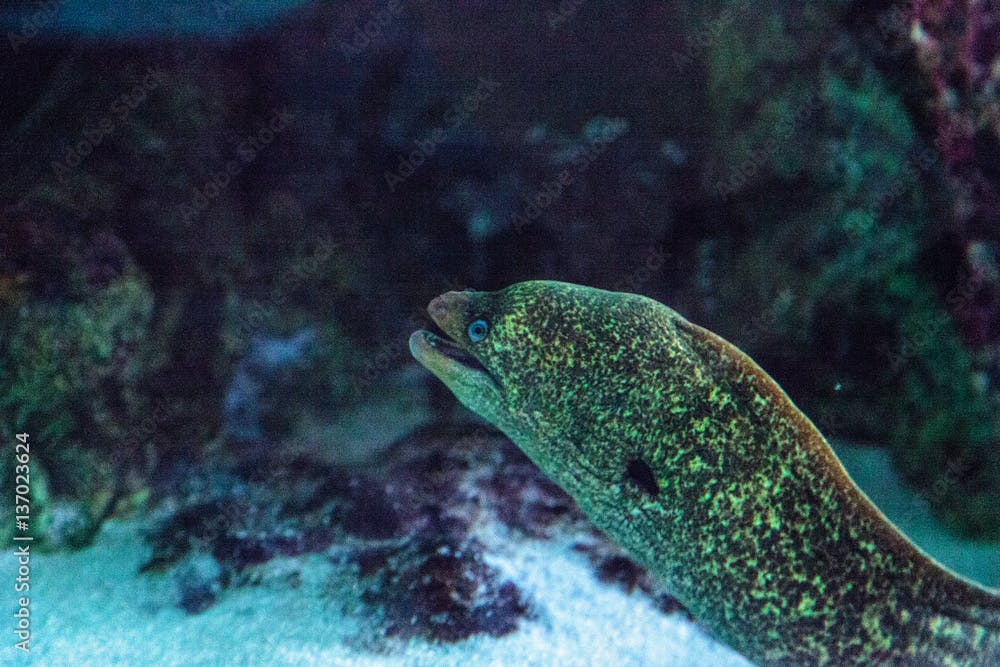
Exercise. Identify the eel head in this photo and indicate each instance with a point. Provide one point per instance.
(537, 360)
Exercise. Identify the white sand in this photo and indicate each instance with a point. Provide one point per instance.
(91, 608)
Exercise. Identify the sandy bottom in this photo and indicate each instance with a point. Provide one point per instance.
(92, 608)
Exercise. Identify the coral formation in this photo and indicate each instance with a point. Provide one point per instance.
(842, 310)
(72, 371)
(958, 50)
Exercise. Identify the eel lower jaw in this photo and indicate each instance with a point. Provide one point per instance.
(453, 365)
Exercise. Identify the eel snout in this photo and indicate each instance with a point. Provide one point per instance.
(449, 311)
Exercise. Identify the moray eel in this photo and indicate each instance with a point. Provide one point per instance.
(684, 451)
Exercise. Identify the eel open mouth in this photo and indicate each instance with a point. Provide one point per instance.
(452, 351)
(446, 359)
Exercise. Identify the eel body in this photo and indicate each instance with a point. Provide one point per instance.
(684, 451)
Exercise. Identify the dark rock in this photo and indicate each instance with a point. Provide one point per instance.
(613, 567)
(407, 522)
(525, 499)
(370, 561)
(70, 526)
(446, 592)
(199, 580)
(621, 571)
(262, 379)
(369, 512)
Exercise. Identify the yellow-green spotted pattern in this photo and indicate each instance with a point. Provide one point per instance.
(684, 451)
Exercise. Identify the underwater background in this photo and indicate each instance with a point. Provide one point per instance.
(220, 221)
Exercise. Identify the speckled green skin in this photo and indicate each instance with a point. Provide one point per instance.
(753, 523)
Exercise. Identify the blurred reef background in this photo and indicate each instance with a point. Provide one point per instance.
(220, 221)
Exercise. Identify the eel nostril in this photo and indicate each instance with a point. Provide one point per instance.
(451, 302)
(438, 308)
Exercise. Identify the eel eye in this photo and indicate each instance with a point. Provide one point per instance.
(477, 330)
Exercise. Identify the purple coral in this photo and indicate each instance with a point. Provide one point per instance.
(958, 47)
(957, 44)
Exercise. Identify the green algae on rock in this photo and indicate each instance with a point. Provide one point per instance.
(866, 250)
(70, 376)
(683, 450)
